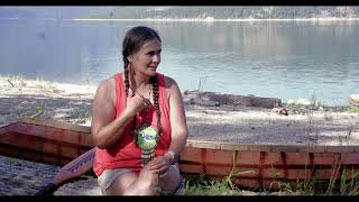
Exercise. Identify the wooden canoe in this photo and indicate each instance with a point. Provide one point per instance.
(252, 166)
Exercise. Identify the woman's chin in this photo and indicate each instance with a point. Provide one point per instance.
(152, 73)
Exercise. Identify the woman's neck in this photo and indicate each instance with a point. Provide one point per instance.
(138, 81)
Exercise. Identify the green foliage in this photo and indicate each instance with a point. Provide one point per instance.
(204, 185)
(353, 109)
(233, 12)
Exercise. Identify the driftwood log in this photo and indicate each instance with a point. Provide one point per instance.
(211, 99)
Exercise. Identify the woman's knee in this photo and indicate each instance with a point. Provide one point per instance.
(145, 184)
(171, 180)
(148, 177)
(121, 183)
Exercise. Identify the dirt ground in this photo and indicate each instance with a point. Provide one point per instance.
(241, 124)
(71, 103)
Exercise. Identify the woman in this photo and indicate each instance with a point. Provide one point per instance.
(138, 123)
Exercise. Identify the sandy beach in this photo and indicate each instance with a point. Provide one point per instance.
(240, 124)
(206, 119)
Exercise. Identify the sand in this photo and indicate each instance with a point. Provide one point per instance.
(71, 103)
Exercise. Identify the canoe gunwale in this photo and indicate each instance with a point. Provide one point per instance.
(213, 144)
(57, 124)
(271, 148)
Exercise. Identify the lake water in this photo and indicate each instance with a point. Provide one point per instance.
(283, 59)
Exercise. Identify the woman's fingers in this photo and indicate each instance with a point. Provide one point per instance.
(161, 175)
(158, 164)
(130, 93)
(146, 102)
(137, 102)
(160, 170)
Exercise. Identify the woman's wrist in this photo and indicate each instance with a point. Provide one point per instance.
(129, 114)
(171, 154)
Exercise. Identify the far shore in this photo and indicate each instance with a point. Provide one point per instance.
(210, 19)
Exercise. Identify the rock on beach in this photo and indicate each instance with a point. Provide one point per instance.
(354, 100)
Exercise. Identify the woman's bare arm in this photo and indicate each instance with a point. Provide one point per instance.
(105, 128)
(179, 129)
(177, 116)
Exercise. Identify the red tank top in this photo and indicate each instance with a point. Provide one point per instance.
(125, 153)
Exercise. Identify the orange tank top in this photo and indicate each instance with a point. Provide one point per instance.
(125, 153)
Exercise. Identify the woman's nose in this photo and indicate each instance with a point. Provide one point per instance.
(156, 58)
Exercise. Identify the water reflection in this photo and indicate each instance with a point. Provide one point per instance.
(286, 59)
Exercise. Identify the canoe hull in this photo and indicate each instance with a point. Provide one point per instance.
(261, 169)
(44, 142)
(250, 166)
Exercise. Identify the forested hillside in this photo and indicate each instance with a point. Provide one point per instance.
(233, 12)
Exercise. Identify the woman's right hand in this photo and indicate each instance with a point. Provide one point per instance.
(136, 103)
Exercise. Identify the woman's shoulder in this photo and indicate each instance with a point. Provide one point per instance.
(169, 81)
(171, 86)
(109, 83)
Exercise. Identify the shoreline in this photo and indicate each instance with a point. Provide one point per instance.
(208, 119)
(71, 103)
(210, 19)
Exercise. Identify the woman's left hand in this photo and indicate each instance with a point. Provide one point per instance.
(160, 165)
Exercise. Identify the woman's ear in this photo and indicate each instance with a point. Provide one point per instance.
(130, 58)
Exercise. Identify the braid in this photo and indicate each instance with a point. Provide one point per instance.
(155, 100)
(127, 82)
(133, 41)
(127, 86)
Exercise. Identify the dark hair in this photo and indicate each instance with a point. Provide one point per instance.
(134, 39)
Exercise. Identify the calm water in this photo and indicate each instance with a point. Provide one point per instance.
(288, 60)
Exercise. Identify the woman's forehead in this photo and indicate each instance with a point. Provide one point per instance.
(153, 44)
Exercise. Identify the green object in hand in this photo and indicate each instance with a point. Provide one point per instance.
(146, 138)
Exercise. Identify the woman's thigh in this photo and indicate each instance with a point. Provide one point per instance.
(116, 181)
(121, 183)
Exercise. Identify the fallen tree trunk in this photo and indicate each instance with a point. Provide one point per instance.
(211, 99)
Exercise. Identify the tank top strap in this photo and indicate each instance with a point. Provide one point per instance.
(120, 91)
(118, 80)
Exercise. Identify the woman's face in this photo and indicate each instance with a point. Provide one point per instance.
(147, 59)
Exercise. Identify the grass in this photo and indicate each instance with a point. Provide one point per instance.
(21, 80)
(201, 83)
(352, 109)
(316, 104)
(39, 110)
(339, 184)
(80, 114)
(204, 185)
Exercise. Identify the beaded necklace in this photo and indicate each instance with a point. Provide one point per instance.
(146, 137)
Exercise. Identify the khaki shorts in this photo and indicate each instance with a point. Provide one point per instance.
(109, 175)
